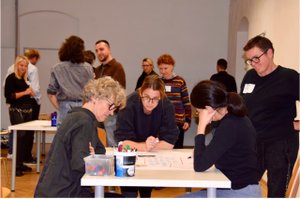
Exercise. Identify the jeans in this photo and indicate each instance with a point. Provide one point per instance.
(251, 191)
(278, 158)
(64, 108)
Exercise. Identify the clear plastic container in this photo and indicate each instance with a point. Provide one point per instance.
(99, 165)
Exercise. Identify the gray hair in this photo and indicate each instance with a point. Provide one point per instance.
(103, 88)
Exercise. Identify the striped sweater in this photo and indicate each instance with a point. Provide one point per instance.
(177, 92)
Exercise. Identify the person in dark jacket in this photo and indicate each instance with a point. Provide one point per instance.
(223, 77)
(147, 123)
(20, 96)
(65, 166)
(148, 69)
(233, 148)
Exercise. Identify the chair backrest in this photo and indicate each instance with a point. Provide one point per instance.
(293, 187)
(102, 136)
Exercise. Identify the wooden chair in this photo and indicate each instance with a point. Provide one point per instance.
(5, 192)
(102, 136)
(293, 187)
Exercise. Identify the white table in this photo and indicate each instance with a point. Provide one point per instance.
(36, 125)
(162, 177)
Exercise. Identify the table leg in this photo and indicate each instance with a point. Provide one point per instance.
(14, 161)
(211, 192)
(43, 142)
(99, 191)
(38, 150)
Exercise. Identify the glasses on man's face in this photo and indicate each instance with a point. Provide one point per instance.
(112, 106)
(255, 59)
(145, 65)
(154, 100)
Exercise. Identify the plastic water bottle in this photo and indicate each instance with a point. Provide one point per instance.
(53, 118)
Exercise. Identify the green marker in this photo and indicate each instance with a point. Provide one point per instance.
(128, 148)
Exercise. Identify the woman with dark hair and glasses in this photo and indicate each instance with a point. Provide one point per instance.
(74, 139)
(147, 123)
(232, 148)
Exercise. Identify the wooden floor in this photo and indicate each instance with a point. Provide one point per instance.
(25, 185)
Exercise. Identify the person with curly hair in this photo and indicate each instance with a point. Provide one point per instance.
(74, 139)
(69, 76)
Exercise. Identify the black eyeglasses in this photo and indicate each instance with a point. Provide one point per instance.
(112, 106)
(255, 59)
(148, 99)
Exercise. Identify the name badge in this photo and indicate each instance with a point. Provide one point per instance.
(248, 88)
(168, 88)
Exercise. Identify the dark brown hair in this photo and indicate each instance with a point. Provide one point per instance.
(104, 41)
(214, 94)
(72, 50)
(259, 41)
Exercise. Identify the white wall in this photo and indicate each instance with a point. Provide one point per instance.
(195, 32)
(277, 18)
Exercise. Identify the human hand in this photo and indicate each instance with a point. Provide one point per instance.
(297, 125)
(151, 142)
(186, 126)
(29, 91)
(92, 150)
(205, 118)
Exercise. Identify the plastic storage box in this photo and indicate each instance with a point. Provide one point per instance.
(99, 165)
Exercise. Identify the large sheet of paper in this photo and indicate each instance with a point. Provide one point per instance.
(163, 160)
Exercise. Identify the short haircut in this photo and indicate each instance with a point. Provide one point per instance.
(89, 56)
(223, 63)
(32, 53)
(148, 60)
(259, 41)
(104, 41)
(165, 59)
(103, 88)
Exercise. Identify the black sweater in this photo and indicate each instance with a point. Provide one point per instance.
(133, 124)
(232, 151)
(14, 85)
(271, 104)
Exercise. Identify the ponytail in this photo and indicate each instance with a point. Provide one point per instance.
(236, 105)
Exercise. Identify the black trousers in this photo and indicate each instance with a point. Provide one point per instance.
(179, 142)
(30, 136)
(132, 192)
(278, 158)
(17, 115)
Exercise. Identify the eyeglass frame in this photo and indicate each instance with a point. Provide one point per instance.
(112, 106)
(257, 58)
(149, 99)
